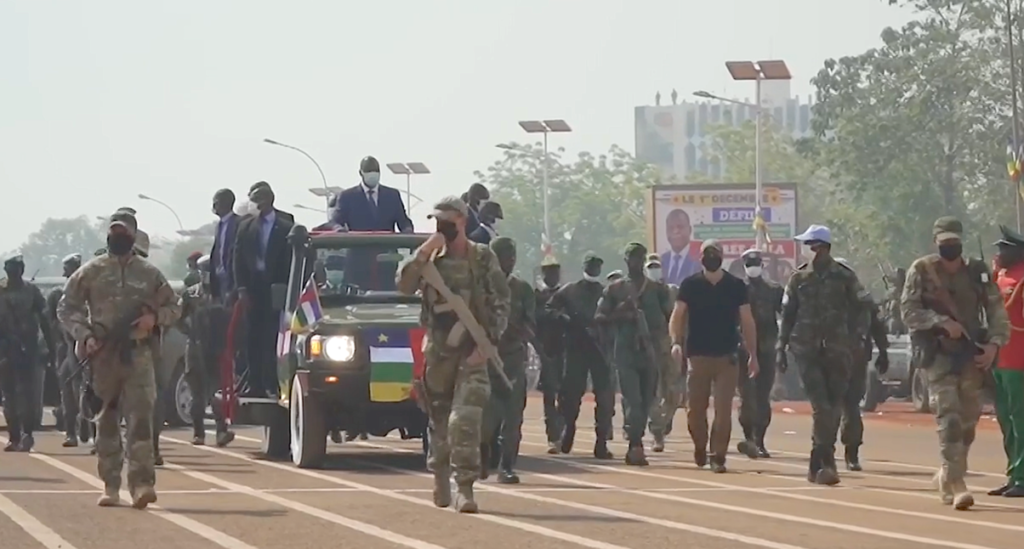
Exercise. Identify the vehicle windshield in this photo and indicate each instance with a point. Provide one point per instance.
(356, 271)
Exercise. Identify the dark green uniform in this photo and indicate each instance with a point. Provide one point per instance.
(552, 362)
(765, 298)
(852, 426)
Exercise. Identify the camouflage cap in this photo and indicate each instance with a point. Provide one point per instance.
(126, 219)
(711, 244)
(503, 246)
(450, 204)
(141, 244)
(549, 261)
(591, 257)
(947, 228)
(634, 248)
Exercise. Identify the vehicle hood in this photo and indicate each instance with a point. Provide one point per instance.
(389, 314)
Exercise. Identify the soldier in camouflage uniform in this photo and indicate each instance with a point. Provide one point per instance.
(455, 382)
(550, 334)
(823, 324)
(944, 301)
(96, 298)
(637, 366)
(204, 321)
(765, 298)
(575, 304)
(671, 376)
(22, 316)
(851, 428)
(504, 413)
(67, 366)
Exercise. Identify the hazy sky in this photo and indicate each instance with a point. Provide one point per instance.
(103, 100)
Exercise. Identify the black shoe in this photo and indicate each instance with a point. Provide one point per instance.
(813, 466)
(199, 440)
(224, 438)
(601, 450)
(508, 477)
(1001, 490)
(158, 460)
(747, 448)
(27, 443)
(635, 456)
(1015, 491)
(70, 441)
(853, 459)
(700, 457)
(12, 445)
(568, 437)
(336, 436)
(762, 452)
(364, 436)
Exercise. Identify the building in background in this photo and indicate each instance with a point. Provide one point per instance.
(674, 137)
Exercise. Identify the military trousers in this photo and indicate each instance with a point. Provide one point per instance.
(1010, 412)
(667, 395)
(825, 374)
(551, 372)
(580, 363)
(457, 393)
(756, 394)
(638, 379)
(956, 404)
(851, 428)
(503, 416)
(711, 376)
(20, 381)
(127, 390)
(70, 393)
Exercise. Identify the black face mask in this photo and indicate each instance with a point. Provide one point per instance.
(120, 244)
(951, 251)
(449, 229)
(711, 262)
(592, 270)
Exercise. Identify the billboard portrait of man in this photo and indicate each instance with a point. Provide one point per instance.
(680, 260)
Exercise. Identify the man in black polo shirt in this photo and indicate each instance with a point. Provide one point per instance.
(715, 302)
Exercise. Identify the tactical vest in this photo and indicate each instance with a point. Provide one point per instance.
(446, 319)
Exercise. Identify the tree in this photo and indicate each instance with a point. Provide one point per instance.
(56, 238)
(596, 203)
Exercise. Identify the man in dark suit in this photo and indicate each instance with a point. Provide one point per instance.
(489, 215)
(474, 198)
(261, 258)
(680, 261)
(222, 283)
(371, 206)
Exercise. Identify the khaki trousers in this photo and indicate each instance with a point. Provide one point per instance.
(711, 376)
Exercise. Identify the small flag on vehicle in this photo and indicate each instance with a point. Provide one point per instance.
(392, 364)
(307, 311)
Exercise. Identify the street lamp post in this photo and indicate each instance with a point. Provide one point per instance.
(181, 226)
(418, 168)
(306, 154)
(758, 72)
(545, 127)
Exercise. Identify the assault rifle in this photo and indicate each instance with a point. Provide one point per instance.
(115, 339)
(643, 331)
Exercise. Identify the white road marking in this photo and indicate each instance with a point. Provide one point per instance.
(524, 526)
(39, 531)
(352, 524)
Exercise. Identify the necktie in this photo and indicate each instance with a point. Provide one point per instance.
(371, 202)
(677, 267)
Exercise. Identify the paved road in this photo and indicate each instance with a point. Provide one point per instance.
(375, 495)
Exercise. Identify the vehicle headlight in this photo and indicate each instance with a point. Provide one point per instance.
(340, 348)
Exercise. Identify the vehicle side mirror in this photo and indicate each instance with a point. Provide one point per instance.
(390, 258)
(278, 296)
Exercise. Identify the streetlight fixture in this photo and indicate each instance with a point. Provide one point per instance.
(758, 72)
(408, 169)
(181, 226)
(306, 154)
(326, 192)
(545, 127)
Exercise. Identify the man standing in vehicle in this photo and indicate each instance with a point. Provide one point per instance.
(98, 298)
(456, 383)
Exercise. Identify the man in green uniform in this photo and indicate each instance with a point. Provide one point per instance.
(550, 335)
(823, 311)
(455, 382)
(851, 428)
(22, 316)
(671, 374)
(944, 301)
(637, 314)
(765, 298)
(104, 293)
(504, 412)
(67, 366)
(575, 304)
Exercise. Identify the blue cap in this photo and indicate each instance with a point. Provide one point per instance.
(820, 233)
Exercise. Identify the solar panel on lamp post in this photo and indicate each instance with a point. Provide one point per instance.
(408, 169)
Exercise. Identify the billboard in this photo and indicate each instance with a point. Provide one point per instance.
(681, 217)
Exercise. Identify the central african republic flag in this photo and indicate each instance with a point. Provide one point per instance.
(394, 355)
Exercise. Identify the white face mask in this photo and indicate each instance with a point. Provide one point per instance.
(371, 179)
(589, 278)
(807, 252)
(753, 271)
(654, 274)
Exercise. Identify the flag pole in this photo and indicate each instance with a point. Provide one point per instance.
(1016, 121)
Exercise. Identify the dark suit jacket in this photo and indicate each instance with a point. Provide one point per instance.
(247, 248)
(688, 267)
(353, 211)
(228, 246)
(480, 235)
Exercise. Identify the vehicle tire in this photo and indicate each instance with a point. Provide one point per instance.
(276, 443)
(178, 398)
(875, 393)
(919, 391)
(308, 429)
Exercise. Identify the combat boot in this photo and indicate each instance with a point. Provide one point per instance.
(943, 486)
(962, 497)
(143, 496)
(464, 502)
(659, 444)
(762, 450)
(568, 437)
(442, 487)
(635, 455)
(747, 448)
(111, 497)
(507, 476)
(853, 459)
(601, 450)
(224, 438)
(70, 441)
(12, 444)
(828, 475)
(813, 466)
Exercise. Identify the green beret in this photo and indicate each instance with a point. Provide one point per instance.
(503, 246)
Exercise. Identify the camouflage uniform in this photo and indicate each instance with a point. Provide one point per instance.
(204, 321)
(456, 391)
(823, 326)
(22, 315)
(96, 298)
(765, 298)
(575, 303)
(954, 388)
(638, 376)
(552, 356)
(504, 411)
